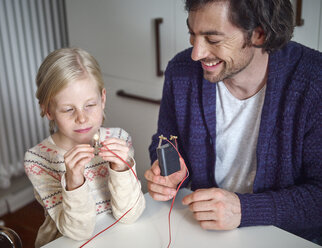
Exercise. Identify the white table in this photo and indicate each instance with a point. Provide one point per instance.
(151, 231)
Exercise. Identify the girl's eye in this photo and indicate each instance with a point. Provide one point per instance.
(91, 105)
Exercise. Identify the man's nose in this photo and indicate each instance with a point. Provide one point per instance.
(199, 50)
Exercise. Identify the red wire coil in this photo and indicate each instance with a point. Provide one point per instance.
(125, 212)
(169, 216)
(180, 184)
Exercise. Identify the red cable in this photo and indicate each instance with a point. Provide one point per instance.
(125, 212)
(187, 175)
(105, 229)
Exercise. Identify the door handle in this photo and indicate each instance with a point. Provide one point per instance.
(122, 93)
(157, 23)
(298, 15)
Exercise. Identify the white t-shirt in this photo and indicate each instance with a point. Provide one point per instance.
(237, 128)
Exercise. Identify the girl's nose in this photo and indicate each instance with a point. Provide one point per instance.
(81, 116)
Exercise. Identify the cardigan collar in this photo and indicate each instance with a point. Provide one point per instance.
(269, 111)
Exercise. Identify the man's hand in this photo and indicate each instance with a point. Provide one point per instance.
(163, 188)
(214, 208)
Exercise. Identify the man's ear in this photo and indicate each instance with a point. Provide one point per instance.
(258, 36)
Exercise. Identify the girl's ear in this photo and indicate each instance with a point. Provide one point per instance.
(103, 97)
(47, 113)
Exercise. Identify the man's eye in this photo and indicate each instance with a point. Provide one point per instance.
(212, 41)
(68, 110)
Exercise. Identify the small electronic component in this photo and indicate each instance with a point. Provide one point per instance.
(96, 139)
(168, 158)
(96, 142)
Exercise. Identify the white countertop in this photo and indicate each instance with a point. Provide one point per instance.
(151, 231)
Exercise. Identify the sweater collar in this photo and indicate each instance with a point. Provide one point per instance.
(209, 106)
(269, 113)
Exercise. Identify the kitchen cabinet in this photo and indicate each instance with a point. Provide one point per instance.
(320, 29)
(121, 35)
(310, 32)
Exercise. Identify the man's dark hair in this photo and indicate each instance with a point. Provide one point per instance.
(275, 17)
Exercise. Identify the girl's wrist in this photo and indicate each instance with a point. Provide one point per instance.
(123, 166)
(119, 167)
(74, 184)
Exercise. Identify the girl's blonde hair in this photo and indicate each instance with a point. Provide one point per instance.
(61, 67)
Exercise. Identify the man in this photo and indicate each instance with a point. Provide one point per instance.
(246, 105)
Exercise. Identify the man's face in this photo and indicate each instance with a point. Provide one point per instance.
(217, 43)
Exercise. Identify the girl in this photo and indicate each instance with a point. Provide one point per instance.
(73, 182)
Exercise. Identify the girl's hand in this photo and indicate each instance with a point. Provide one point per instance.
(75, 161)
(120, 148)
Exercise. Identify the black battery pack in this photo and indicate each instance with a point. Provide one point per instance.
(168, 159)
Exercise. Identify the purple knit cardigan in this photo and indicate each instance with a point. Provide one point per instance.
(288, 182)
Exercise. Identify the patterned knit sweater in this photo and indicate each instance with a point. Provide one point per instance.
(73, 213)
(288, 183)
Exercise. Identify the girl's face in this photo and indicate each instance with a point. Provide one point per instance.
(78, 112)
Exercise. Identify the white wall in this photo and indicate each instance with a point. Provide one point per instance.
(122, 40)
(310, 33)
(139, 119)
(120, 35)
(320, 29)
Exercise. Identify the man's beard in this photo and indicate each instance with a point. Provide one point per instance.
(227, 73)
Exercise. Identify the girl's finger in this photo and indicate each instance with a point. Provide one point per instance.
(82, 162)
(114, 159)
(79, 148)
(73, 161)
(115, 153)
(110, 141)
(115, 147)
